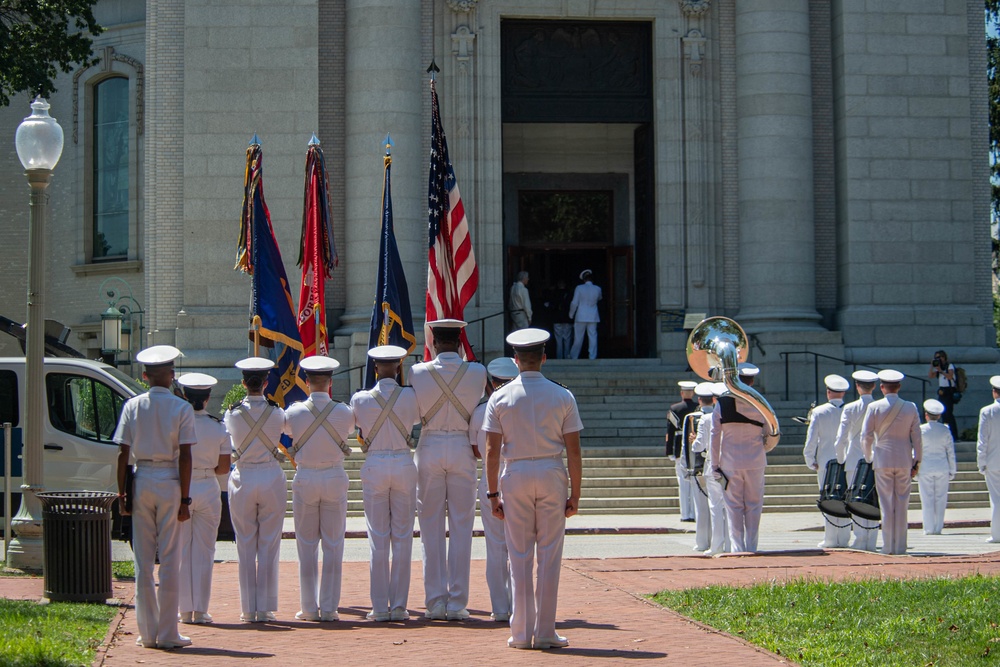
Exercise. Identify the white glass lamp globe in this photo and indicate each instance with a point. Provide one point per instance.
(39, 138)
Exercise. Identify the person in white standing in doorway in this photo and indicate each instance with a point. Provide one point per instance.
(583, 310)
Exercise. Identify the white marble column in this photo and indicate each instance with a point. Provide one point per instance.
(384, 79)
(774, 112)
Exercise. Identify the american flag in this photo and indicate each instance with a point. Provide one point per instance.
(452, 276)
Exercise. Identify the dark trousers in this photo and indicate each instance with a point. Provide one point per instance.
(947, 396)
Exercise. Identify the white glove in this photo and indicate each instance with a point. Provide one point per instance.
(717, 474)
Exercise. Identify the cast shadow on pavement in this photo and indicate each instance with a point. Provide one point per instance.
(617, 654)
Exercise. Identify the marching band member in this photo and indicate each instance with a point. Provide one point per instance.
(675, 443)
(500, 371)
(385, 416)
(848, 448)
(156, 431)
(937, 467)
(713, 489)
(695, 444)
(258, 491)
(448, 390)
(820, 448)
(988, 456)
(319, 427)
(529, 422)
(209, 458)
(890, 440)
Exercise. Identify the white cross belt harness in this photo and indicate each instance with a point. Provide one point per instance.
(257, 432)
(320, 421)
(447, 394)
(385, 414)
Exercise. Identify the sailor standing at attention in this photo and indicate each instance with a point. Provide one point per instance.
(501, 370)
(209, 459)
(695, 438)
(848, 447)
(448, 390)
(988, 456)
(937, 467)
(319, 427)
(820, 449)
(385, 416)
(258, 491)
(529, 422)
(156, 431)
(675, 447)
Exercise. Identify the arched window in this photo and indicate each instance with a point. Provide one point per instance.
(110, 170)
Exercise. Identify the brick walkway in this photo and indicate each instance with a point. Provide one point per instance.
(601, 609)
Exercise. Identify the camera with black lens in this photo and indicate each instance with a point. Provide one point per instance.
(937, 363)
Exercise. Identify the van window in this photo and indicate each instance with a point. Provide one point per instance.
(82, 406)
(9, 404)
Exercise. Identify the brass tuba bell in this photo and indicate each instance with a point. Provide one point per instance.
(715, 349)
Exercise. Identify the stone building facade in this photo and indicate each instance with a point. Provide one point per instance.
(815, 169)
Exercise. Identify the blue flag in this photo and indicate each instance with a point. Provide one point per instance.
(392, 323)
(271, 297)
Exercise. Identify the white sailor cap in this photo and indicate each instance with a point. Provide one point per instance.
(720, 388)
(319, 364)
(864, 376)
(502, 368)
(835, 382)
(891, 376)
(995, 381)
(197, 381)
(527, 337)
(705, 389)
(387, 353)
(254, 364)
(687, 385)
(932, 406)
(585, 273)
(158, 355)
(746, 369)
(447, 324)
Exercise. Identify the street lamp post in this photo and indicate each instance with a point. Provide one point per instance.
(122, 319)
(39, 142)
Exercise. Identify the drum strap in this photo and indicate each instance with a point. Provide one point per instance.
(730, 415)
(889, 418)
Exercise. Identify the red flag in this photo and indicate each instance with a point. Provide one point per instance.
(317, 255)
(452, 275)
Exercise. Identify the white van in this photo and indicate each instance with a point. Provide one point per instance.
(84, 399)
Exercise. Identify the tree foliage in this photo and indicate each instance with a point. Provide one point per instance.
(36, 37)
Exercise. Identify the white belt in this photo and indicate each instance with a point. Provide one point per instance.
(463, 431)
(319, 466)
(382, 453)
(155, 464)
(202, 473)
(533, 458)
(241, 464)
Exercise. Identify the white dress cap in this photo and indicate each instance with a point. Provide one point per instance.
(255, 364)
(889, 375)
(158, 355)
(932, 406)
(527, 337)
(687, 384)
(864, 376)
(447, 324)
(387, 353)
(503, 368)
(747, 369)
(720, 388)
(585, 273)
(319, 364)
(995, 381)
(705, 389)
(197, 381)
(835, 382)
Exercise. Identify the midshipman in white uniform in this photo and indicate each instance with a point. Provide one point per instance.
(155, 432)
(319, 427)
(820, 448)
(385, 417)
(500, 370)
(529, 422)
(258, 492)
(448, 390)
(988, 456)
(209, 458)
(937, 467)
(696, 426)
(848, 446)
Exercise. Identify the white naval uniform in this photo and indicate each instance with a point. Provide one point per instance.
(199, 533)
(258, 495)
(988, 460)
(583, 310)
(937, 468)
(820, 448)
(848, 446)
(520, 305)
(154, 425)
(716, 496)
(446, 481)
(389, 491)
(532, 414)
(738, 450)
(319, 500)
(702, 513)
(497, 564)
(892, 455)
(675, 429)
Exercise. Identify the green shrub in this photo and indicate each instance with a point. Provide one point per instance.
(234, 396)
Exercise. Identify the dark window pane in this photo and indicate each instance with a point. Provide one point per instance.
(546, 216)
(9, 399)
(82, 406)
(111, 160)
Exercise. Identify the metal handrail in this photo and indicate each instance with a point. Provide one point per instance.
(482, 328)
(816, 357)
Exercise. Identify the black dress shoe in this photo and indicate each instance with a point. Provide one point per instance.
(687, 520)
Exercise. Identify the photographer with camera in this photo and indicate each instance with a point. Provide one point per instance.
(945, 373)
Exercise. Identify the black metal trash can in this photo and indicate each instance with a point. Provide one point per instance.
(76, 531)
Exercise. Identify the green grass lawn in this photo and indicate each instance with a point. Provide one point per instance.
(947, 622)
(56, 634)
